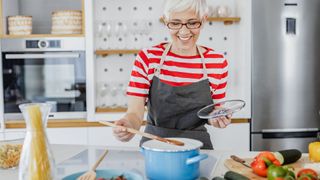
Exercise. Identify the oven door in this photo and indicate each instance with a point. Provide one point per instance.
(57, 78)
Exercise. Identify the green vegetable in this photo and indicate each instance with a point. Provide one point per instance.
(231, 175)
(280, 172)
(288, 156)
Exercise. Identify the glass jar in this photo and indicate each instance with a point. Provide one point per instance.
(36, 162)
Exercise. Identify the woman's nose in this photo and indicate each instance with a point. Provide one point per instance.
(184, 30)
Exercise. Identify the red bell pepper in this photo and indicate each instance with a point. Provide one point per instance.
(262, 161)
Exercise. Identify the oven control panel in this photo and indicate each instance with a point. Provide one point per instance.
(43, 44)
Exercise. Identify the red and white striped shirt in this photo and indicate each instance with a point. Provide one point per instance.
(178, 70)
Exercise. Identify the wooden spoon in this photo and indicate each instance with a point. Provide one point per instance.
(147, 135)
(91, 174)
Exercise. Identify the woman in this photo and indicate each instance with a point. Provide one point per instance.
(176, 80)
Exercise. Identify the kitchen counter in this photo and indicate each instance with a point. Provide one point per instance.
(73, 158)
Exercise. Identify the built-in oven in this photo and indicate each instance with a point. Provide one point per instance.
(50, 70)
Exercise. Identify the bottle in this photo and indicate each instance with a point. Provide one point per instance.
(36, 162)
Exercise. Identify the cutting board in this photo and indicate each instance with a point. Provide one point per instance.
(241, 169)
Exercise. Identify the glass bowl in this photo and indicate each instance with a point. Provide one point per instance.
(10, 151)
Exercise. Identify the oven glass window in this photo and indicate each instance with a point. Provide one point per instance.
(57, 78)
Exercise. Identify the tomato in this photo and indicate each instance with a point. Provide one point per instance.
(259, 167)
(307, 174)
(262, 161)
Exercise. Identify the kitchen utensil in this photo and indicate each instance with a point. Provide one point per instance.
(223, 108)
(91, 174)
(239, 160)
(165, 161)
(147, 135)
(109, 174)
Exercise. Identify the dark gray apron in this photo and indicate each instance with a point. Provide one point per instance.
(172, 110)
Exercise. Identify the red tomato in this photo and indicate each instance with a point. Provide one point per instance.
(259, 167)
(307, 174)
(279, 178)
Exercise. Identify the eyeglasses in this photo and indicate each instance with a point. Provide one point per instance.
(189, 25)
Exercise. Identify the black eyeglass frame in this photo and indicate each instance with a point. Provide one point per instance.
(184, 24)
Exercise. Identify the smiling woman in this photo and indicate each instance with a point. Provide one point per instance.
(176, 79)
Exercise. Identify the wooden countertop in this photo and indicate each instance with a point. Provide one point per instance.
(76, 123)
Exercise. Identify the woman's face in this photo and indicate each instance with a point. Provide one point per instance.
(184, 38)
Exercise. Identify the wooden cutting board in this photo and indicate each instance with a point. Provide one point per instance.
(241, 169)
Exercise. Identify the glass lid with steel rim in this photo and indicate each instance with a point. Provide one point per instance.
(223, 108)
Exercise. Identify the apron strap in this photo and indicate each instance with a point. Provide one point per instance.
(205, 74)
(163, 57)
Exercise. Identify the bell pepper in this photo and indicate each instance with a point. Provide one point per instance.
(262, 161)
(307, 174)
(314, 151)
(280, 172)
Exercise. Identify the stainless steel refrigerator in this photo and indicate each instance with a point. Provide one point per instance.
(285, 74)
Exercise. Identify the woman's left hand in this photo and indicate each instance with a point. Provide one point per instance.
(220, 122)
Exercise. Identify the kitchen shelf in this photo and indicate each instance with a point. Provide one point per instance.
(225, 20)
(116, 51)
(41, 35)
(108, 110)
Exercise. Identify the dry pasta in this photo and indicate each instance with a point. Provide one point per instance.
(39, 164)
(10, 155)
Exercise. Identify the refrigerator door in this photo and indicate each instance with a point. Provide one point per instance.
(286, 63)
(275, 141)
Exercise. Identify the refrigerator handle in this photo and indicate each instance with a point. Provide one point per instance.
(306, 134)
(289, 130)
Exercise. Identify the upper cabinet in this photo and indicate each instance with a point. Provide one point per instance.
(42, 18)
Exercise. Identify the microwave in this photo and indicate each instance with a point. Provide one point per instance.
(46, 70)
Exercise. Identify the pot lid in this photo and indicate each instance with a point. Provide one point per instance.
(189, 144)
(223, 108)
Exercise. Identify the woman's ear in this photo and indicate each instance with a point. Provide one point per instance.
(204, 20)
(164, 20)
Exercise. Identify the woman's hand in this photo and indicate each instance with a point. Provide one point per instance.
(132, 119)
(121, 133)
(220, 122)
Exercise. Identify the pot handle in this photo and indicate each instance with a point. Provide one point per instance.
(196, 159)
(142, 151)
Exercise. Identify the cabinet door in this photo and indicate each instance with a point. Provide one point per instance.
(76, 136)
(234, 137)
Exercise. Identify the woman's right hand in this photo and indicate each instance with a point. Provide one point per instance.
(121, 133)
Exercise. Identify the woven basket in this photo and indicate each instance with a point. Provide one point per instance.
(20, 25)
(66, 22)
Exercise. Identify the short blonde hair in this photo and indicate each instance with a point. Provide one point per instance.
(199, 6)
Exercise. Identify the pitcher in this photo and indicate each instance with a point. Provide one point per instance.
(36, 162)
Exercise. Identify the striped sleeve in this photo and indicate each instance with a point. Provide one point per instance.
(219, 91)
(139, 83)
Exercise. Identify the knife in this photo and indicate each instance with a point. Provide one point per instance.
(239, 160)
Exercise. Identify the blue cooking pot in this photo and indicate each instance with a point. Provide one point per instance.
(169, 162)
